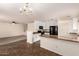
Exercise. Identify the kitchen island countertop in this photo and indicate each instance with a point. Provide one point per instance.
(60, 38)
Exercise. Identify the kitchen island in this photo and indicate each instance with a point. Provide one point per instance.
(62, 46)
(62, 38)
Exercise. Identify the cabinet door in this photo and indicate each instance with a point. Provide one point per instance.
(68, 48)
(49, 44)
(36, 37)
(64, 28)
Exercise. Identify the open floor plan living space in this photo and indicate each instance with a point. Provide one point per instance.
(39, 29)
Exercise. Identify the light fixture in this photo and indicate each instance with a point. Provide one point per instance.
(26, 10)
(13, 22)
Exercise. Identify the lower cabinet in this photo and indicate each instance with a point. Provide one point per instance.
(49, 44)
(36, 37)
(31, 38)
(61, 47)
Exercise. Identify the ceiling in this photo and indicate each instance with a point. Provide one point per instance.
(41, 11)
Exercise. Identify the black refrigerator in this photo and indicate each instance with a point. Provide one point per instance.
(53, 30)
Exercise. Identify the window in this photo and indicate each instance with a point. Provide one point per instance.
(75, 24)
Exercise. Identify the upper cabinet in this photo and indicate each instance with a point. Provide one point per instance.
(34, 27)
(46, 24)
(75, 25)
(64, 27)
(68, 27)
(39, 23)
(52, 22)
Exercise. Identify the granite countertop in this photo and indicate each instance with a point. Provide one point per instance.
(35, 33)
(50, 36)
(60, 38)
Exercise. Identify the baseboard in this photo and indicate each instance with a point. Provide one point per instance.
(11, 41)
(12, 36)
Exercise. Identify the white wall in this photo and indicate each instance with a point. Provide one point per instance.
(30, 27)
(29, 33)
(8, 29)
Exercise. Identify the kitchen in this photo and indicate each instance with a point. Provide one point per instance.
(58, 36)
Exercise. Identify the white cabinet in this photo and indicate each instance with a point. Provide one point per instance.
(37, 24)
(64, 28)
(36, 37)
(31, 38)
(49, 44)
(33, 27)
(78, 28)
(61, 47)
(49, 23)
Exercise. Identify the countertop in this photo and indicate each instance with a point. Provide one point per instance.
(60, 38)
(35, 33)
(50, 36)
